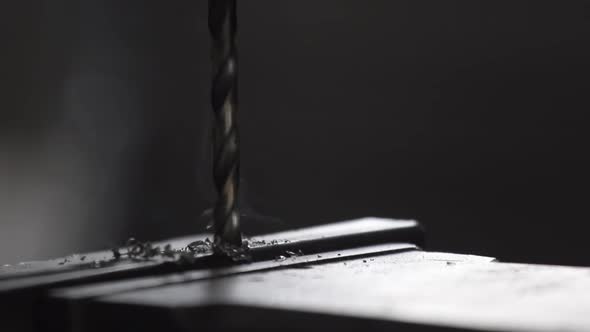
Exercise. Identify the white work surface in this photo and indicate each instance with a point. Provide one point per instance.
(418, 287)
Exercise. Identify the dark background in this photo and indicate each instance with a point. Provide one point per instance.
(466, 115)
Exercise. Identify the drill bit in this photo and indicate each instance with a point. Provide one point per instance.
(226, 217)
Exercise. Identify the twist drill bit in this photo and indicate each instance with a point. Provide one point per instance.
(226, 218)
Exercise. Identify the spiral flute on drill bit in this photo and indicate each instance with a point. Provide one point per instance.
(222, 26)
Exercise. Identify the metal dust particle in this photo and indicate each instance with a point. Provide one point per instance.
(199, 247)
(168, 251)
(257, 243)
(116, 253)
(280, 258)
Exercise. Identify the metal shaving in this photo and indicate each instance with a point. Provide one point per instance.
(143, 251)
